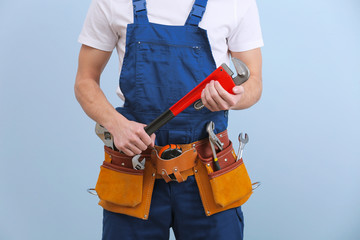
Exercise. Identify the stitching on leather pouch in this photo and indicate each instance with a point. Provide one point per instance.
(117, 169)
(147, 206)
(148, 203)
(220, 173)
(202, 190)
(220, 154)
(119, 155)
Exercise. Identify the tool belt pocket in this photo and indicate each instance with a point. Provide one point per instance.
(231, 183)
(118, 184)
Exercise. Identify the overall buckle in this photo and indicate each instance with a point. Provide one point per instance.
(139, 5)
(198, 11)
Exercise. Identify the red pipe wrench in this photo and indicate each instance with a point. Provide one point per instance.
(222, 74)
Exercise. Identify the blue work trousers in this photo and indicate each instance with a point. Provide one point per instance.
(176, 205)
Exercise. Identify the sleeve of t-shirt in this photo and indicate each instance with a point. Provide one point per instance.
(247, 34)
(97, 31)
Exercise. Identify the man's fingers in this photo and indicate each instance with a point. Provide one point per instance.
(216, 98)
(220, 95)
(226, 97)
(128, 152)
(129, 148)
(133, 139)
(210, 102)
(145, 138)
(138, 145)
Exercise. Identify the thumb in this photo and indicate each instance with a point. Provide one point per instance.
(153, 136)
(238, 90)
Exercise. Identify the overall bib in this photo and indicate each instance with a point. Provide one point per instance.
(162, 63)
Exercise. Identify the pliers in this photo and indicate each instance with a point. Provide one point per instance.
(214, 141)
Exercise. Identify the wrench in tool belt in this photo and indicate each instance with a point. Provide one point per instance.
(105, 136)
(214, 140)
(108, 140)
(242, 143)
(138, 165)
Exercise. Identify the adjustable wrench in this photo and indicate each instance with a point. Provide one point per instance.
(138, 165)
(222, 74)
(214, 140)
(105, 136)
(242, 143)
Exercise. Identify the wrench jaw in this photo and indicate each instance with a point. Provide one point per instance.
(214, 141)
(212, 136)
(243, 72)
(104, 135)
(245, 139)
(138, 165)
(242, 142)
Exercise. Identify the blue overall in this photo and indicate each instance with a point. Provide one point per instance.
(162, 63)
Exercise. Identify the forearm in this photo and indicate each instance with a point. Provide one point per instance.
(252, 93)
(253, 86)
(95, 104)
(87, 88)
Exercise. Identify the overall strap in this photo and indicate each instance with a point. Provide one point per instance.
(196, 13)
(140, 13)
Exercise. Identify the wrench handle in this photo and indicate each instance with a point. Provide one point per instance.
(216, 164)
(220, 74)
(159, 122)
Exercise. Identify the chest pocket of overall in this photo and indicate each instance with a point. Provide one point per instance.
(164, 73)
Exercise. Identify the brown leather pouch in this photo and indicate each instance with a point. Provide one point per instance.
(224, 189)
(230, 184)
(123, 189)
(119, 185)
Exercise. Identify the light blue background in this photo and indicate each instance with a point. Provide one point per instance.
(304, 133)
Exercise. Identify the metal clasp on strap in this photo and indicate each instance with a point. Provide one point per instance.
(139, 5)
(255, 185)
(92, 191)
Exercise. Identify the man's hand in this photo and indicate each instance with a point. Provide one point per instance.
(131, 138)
(216, 98)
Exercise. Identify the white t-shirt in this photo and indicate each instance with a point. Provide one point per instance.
(231, 24)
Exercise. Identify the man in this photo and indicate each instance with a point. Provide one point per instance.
(165, 49)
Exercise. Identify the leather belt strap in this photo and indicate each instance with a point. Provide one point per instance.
(203, 145)
(176, 169)
(184, 175)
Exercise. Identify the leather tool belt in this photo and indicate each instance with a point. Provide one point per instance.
(123, 189)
